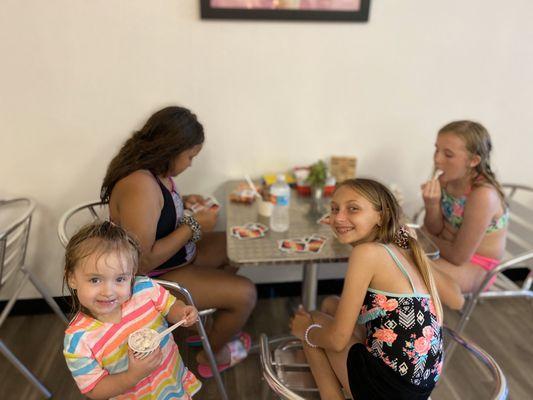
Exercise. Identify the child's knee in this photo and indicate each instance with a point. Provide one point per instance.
(246, 293)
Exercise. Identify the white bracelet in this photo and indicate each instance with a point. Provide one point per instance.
(306, 336)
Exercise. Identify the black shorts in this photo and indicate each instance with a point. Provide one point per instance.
(371, 379)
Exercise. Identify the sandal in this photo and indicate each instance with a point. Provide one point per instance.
(238, 349)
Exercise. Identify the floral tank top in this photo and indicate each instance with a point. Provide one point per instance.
(403, 332)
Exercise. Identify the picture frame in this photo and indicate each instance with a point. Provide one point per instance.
(302, 10)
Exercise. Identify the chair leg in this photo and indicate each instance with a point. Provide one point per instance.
(44, 292)
(212, 360)
(203, 336)
(23, 370)
(468, 309)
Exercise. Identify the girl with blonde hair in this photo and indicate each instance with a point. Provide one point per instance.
(466, 213)
(389, 292)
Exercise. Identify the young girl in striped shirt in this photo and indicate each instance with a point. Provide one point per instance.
(111, 302)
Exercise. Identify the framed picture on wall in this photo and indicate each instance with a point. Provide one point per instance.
(310, 10)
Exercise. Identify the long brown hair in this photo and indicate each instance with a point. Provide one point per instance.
(391, 213)
(101, 237)
(477, 142)
(166, 134)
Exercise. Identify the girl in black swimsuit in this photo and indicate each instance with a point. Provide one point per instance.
(143, 199)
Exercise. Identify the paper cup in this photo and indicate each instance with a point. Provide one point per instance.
(265, 208)
(143, 342)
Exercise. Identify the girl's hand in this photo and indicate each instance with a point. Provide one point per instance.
(191, 199)
(141, 368)
(431, 193)
(300, 322)
(207, 219)
(190, 314)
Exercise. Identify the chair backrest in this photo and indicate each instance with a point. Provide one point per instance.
(15, 222)
(78, 216)
(520, 233)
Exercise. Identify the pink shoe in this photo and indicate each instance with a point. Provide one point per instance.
(238, 350)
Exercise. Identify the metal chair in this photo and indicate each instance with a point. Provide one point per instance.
(87, 212)
(288, 375)
(14, 233)
(519, 254)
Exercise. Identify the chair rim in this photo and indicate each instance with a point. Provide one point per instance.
(19, 220)
(516, 186)
(279, 388)
(61, 226)
(497, 373)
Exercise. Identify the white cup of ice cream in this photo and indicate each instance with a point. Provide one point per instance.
(143, 342)
(264, 208)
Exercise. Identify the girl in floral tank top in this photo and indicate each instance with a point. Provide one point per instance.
(382, 339)
(403, 331)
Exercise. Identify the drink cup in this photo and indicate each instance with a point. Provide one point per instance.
(265, 208)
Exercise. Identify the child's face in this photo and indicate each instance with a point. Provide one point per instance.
(184, 160)
(353, 218)
(103, 284)
(452, 157)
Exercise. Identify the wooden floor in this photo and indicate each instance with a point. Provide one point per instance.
(503, 327)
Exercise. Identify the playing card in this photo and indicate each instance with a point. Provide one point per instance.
(315, 243)
(196, 207)
(257, 225)
(241, 232)
(317, 236)
(296, 245)
(250, 230)
(210, 203)
(312, 244)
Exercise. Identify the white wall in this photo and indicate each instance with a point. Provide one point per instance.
(77, 77)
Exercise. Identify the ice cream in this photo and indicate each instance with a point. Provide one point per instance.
(143, 340)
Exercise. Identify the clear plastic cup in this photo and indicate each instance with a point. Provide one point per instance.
(143, 342)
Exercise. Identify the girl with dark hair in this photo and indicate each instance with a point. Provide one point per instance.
(382, 339)
(177, 246)
(465, 205)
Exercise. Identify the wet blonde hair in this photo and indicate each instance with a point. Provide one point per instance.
(384, 202)
(477, 142)
(101, 237)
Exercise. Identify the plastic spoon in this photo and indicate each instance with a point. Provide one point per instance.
(171, 328)
(252, 186)
(437, 174)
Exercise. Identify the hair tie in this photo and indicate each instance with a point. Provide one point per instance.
(401, 238)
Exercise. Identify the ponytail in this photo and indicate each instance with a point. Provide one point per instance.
(424, 267)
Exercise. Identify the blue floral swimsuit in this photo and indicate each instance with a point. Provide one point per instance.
(402, 357)
(453, 209)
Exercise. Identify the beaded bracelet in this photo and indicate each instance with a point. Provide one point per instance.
(191, 222)
(306, 336)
